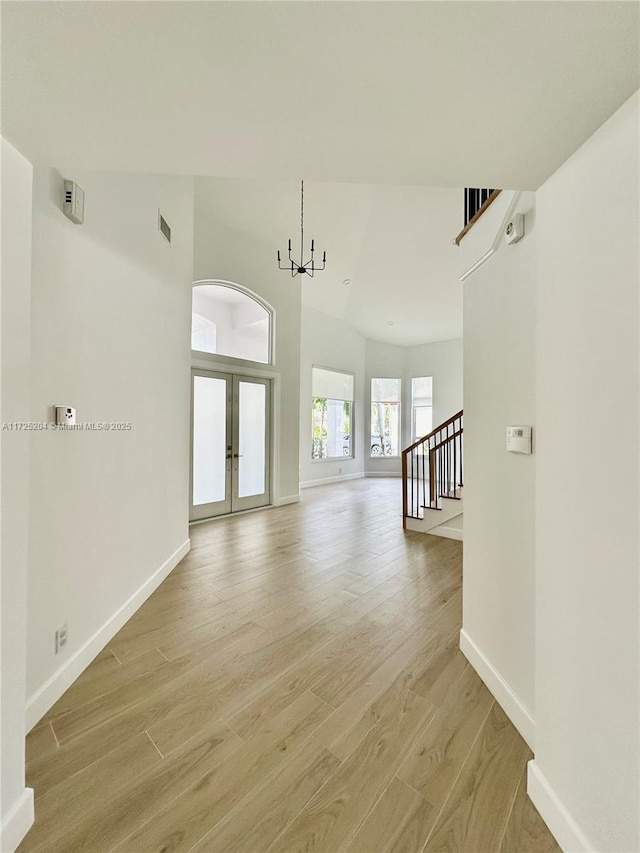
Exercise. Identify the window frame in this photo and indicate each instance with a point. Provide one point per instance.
(398, 404)
(352, 433)
(415, 437)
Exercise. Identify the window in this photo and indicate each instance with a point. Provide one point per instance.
(331, 414)
(203, 333)
(385, 417)
(421, 406)
(227, 321)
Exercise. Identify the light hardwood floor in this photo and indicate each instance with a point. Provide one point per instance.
(294, 685)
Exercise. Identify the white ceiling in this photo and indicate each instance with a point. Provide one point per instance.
(433, 93)
(373, 103)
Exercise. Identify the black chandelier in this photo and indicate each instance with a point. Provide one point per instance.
(310, 266)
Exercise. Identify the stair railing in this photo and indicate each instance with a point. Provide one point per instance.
(476, 203)
(432, 468)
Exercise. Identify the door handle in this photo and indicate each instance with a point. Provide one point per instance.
(238, 455)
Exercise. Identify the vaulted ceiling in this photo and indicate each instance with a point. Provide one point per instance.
(392, 243)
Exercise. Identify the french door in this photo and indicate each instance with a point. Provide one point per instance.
(230, 417)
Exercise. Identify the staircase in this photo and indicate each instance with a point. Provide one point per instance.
(432, 481)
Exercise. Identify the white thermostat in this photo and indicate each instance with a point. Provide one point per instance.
(514, 229)
(65, 415)
(73, 206)
(519, 439)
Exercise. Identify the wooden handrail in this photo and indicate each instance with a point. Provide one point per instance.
(433, 432)
(494, 195)
(446, 441)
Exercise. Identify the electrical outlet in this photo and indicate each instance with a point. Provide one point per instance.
(339, 470)
(62, 635)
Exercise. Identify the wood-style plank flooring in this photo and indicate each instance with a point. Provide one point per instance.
(294, 685)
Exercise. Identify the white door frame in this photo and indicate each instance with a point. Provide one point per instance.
(205, 367)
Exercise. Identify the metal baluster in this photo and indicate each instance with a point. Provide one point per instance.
(448, 483)
(455, 466)
(449, 459)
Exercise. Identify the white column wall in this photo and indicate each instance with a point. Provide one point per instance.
(16, 802)
(587, 508)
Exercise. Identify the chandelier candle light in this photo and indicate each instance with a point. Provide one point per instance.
(300, 268)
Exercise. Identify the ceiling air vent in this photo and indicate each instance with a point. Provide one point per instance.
(164, 228)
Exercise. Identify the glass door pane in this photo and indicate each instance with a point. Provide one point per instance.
(251, 438)
(210, 467)
(252, 424)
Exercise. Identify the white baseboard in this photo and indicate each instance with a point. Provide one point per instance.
(17, 822)
(554, 812)
(287, 499)
(447, 532)
(39, 703)
(383, 474)
(309, 483)
(510, 702)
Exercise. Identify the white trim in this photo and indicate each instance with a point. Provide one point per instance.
(554, 812)
(287, 499)
(446, 532)
(18, 822)
(383, 473)
(309, 483)
(224, 515)
(40, 702)
(510, 702)
(478, 264)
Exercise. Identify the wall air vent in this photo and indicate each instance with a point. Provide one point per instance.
(164, 228)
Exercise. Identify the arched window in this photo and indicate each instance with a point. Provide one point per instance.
(229, 320)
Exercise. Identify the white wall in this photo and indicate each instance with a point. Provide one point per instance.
(443, 361)
(224, 250)
(329, 342)
(499, 487)
(16, 803)
(587, 715)
(111, 336)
